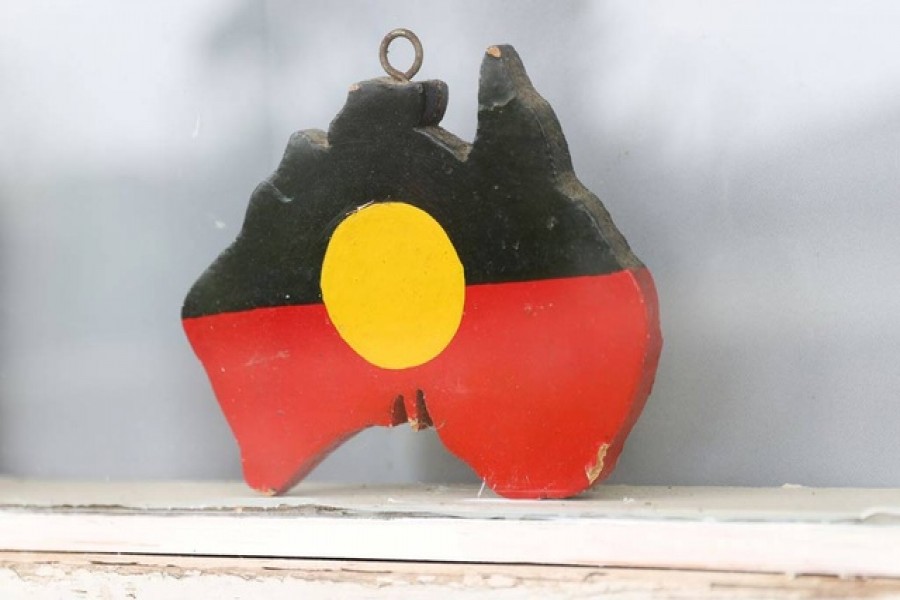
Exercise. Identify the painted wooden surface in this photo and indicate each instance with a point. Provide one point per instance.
(841, 532)
(48, 576)
(391, 273)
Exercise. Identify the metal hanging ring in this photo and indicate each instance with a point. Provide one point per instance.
(386, 64)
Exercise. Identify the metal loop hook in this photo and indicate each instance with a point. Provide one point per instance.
(386, 64)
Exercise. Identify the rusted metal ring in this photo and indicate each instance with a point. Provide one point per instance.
(386, 64)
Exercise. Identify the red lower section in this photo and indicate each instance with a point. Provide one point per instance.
(540, 376)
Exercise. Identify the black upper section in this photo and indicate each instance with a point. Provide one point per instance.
(509, 202)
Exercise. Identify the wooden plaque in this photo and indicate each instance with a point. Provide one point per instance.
(389, 272)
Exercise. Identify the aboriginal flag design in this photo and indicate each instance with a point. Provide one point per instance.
(388, 272)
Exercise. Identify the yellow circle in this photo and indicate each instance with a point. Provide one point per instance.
(393, 285)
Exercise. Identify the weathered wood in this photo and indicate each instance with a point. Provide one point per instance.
(783, 530)
(28, 576)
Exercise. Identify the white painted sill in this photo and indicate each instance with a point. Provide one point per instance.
(655, 538)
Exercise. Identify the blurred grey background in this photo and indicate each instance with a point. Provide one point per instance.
(750, 152)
